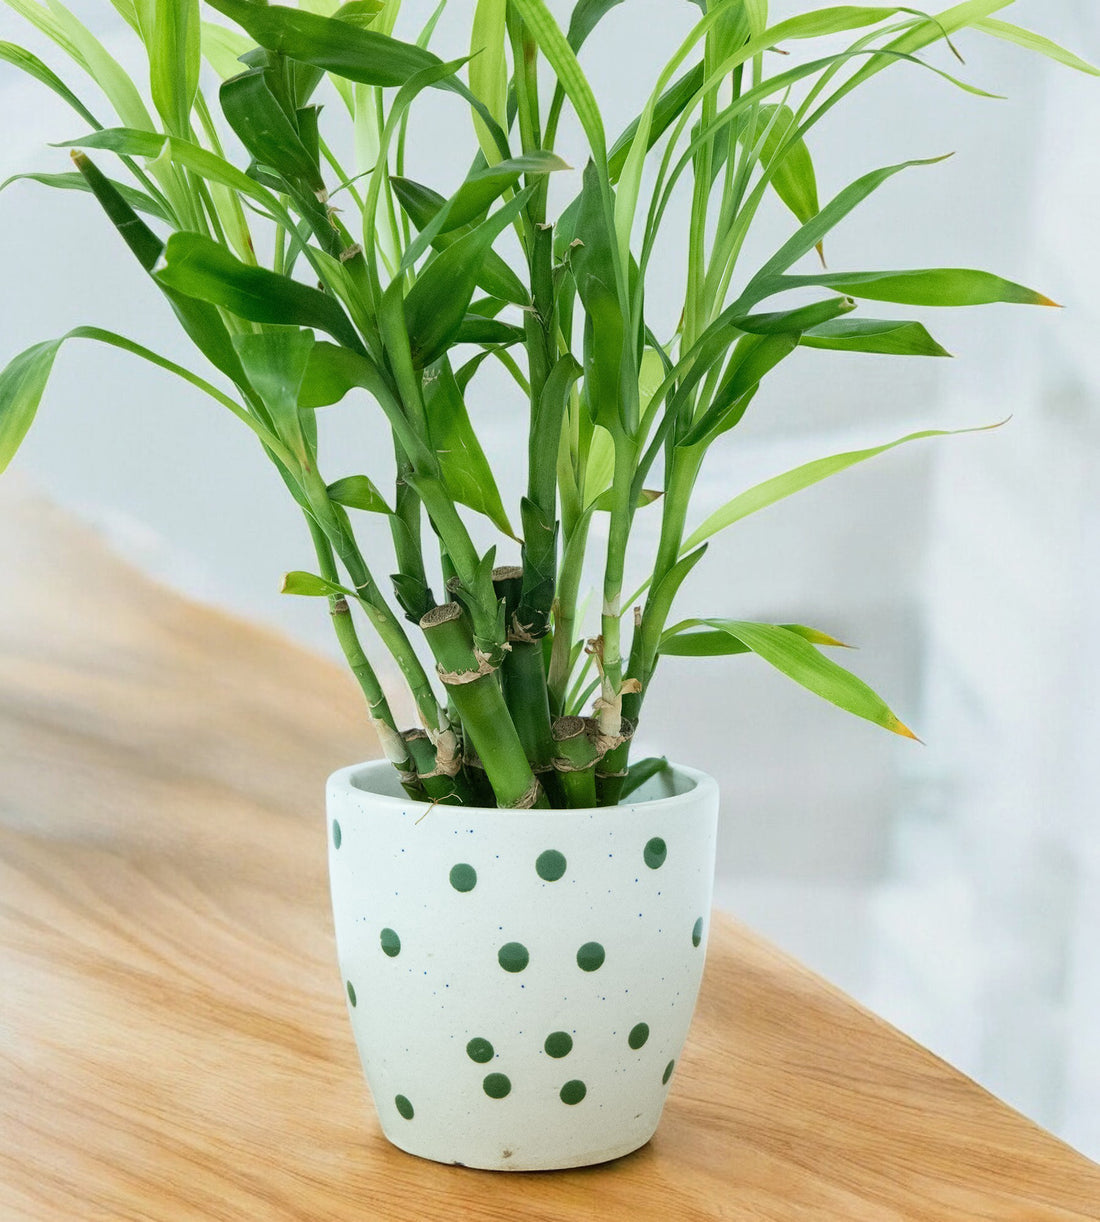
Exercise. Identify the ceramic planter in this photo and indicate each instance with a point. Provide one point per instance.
(520, 984)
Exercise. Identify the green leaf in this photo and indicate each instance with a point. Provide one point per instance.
(142, 241)
(275, 361)
(793, 179)
(641, 771)
(587, 14)
(563, 61)
(267, 133)
(467, 475)
(223, 48)
(336, 46)
(174, 59)
(685, 640)
(1034, 42)
(136, 199)
(199, 267)
(21, 388)
(476, 329)
(23, 382)
(873, 335)
(309, 585)
(437, 303)
(489, 69)
(811, 234)
(659, 604)
(422, 205)
(357, 492)
(33, 66)
(781, 486)
(670, 105)
(925, 287)
(795, 657)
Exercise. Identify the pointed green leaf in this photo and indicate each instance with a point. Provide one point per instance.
(950, 286)
(466, 471)
(889, 338)
(22, 385)
(26, 62)
(688, 640)
(275, 361)
(781, 486)
(309, 585)
(199, 267)
(255, 114)
(641, 771)
(136, 199)
(795, 657)
(489, 69)
(357, 492)
(587, 14)
(793, 179)
(1034, 42)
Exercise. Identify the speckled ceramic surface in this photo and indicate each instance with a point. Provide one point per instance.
(520, 985)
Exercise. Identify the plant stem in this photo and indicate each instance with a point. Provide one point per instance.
(576, 761)
(472, 684)
(565, 614)
(611, 662)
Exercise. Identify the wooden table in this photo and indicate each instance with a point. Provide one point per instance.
(173, 1040)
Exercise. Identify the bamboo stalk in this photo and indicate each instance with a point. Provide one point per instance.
(471, 680)
(576, 760)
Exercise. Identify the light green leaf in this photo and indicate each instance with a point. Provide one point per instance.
(22, 385)
(137, 200)
(795, 657)
(689, 640)
(275, 361)
(555, 46)
(223, 48)
(174, 58)
(793, 179)
(357, 492)
(945, 287)
(309, 585)
(781, 486)
(489, 70)
(889, 338)
(1034, 42)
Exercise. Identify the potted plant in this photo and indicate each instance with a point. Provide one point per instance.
(521, 909)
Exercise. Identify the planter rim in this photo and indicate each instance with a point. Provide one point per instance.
(692, 786)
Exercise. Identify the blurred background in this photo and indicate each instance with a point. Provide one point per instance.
(953, 887)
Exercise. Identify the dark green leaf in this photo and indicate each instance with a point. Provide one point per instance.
(474, 329)
(587, 14)
(641, 771)
(265, 130)
(467, 475)
(33, 66)
(275, 361)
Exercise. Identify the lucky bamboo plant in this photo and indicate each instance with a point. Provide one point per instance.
(304, 283)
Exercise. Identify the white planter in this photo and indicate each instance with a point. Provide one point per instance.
(520, 984)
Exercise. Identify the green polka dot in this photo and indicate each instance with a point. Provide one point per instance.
(655, 853)
(403, 1106)
(590, 957)
(496, 1085)
(573, 1092)
(479, 1050)
(558, 1044)
(463, 877)
(697, 932)
(668, 1073)
(337, 835)
(638, 1036)
(550, 865)
(351, 993)
(513, 956)
(391, 943)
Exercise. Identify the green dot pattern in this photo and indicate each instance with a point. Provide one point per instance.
(638, 1036)
(655, 852)
(497, 1085)
(403, 1106)
(668, 1072)
(558, 1044)
(697, 932)
(479, 1050)
(351, 993)
(391, 943)
(590, 957)
(550, 865)
(573, 1092)
(463, 877)
(337, 835)
(513, 956)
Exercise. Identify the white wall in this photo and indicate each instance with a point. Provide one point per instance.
(948, 884)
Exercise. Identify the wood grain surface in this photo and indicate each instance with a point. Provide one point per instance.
(173, 1037)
